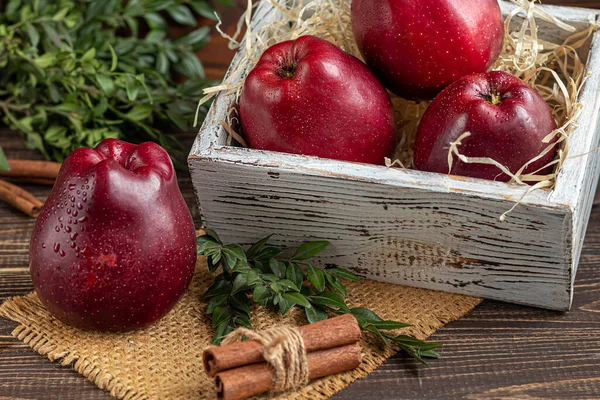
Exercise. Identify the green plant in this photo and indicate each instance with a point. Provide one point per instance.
(74, 72)
(281, 280)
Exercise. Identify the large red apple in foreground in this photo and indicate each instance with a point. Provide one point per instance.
(507, 120)
(114, 245)
(309, 97)
(418, 47)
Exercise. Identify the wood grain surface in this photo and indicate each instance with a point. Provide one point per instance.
(499, 351)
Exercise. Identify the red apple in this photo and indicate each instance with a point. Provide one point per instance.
(417, 48)
(507, 120)
(114, 245)
(309, 97)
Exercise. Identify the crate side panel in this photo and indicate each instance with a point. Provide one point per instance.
(576, 184)
(443, 241)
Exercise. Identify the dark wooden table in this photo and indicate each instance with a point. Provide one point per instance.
(499, 351)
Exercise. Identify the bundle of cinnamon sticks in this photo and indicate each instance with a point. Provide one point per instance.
(41, 172)
(240, 370)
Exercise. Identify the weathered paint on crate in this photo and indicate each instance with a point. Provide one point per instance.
(410, 227)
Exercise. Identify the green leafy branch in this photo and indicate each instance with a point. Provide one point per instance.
(75, 72)
(264, 274)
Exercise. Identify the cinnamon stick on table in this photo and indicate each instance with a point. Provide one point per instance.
(251, 380)
(32, 170)
(20, 199)
(334, 332)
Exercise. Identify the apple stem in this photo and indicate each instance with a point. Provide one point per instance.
(493, 97)
(288, 70)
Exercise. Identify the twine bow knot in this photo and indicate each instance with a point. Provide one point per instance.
(283, 349)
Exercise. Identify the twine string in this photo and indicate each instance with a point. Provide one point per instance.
(283, 349)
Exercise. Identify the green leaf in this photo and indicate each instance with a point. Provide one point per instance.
(95, 9)
(107, 85)
(240, 302)
(3, 161)
(213, 263)
(88, 55)
(220, 286)
(260, 293)
(203, 8)
(139, 113)
(162, 65)
(132, 87)
(390, 325)
(334, 284)
(212, 234)
(253, 277)
(330, 299)
(258, 246)
(270, 277)
(316, 277)
(268, 252)
(45, 60)
(285, 306)
(286, 284)
(315, 314)
(294, 274)
(133, 25)
(60, 15)
(156, 22)
(34, 35)
(343, 274)
(239, 283)
(429, 354)
(222, 331)
(190, 66)
(277, 267)
(12, 7)
(233, 255)
(195, 38)
(376, 331)
(408, 340)
(365, 315)
(54, 133)
(101, 107)
(205, 240)
(114, 58)
(297, 298)
(220, 315)
(309, 249)
(215, 302)
(242, 319)
(182, 15)
(307, 291)
(156, 36)
(429, 346)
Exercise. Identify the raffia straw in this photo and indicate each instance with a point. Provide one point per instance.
(553, 69)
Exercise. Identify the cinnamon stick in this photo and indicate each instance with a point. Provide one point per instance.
(20, 199)
(251, 380)
(32, 169)
(334, 332)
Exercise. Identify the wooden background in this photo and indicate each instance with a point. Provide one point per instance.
(499, 351)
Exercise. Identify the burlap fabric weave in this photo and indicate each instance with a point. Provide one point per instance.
(164, 361)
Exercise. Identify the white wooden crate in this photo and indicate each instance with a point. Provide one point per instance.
(411, 227)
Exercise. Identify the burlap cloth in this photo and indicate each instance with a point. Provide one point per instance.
(164, 360)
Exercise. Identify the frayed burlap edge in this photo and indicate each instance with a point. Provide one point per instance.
(26, 308)
(426, 310)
